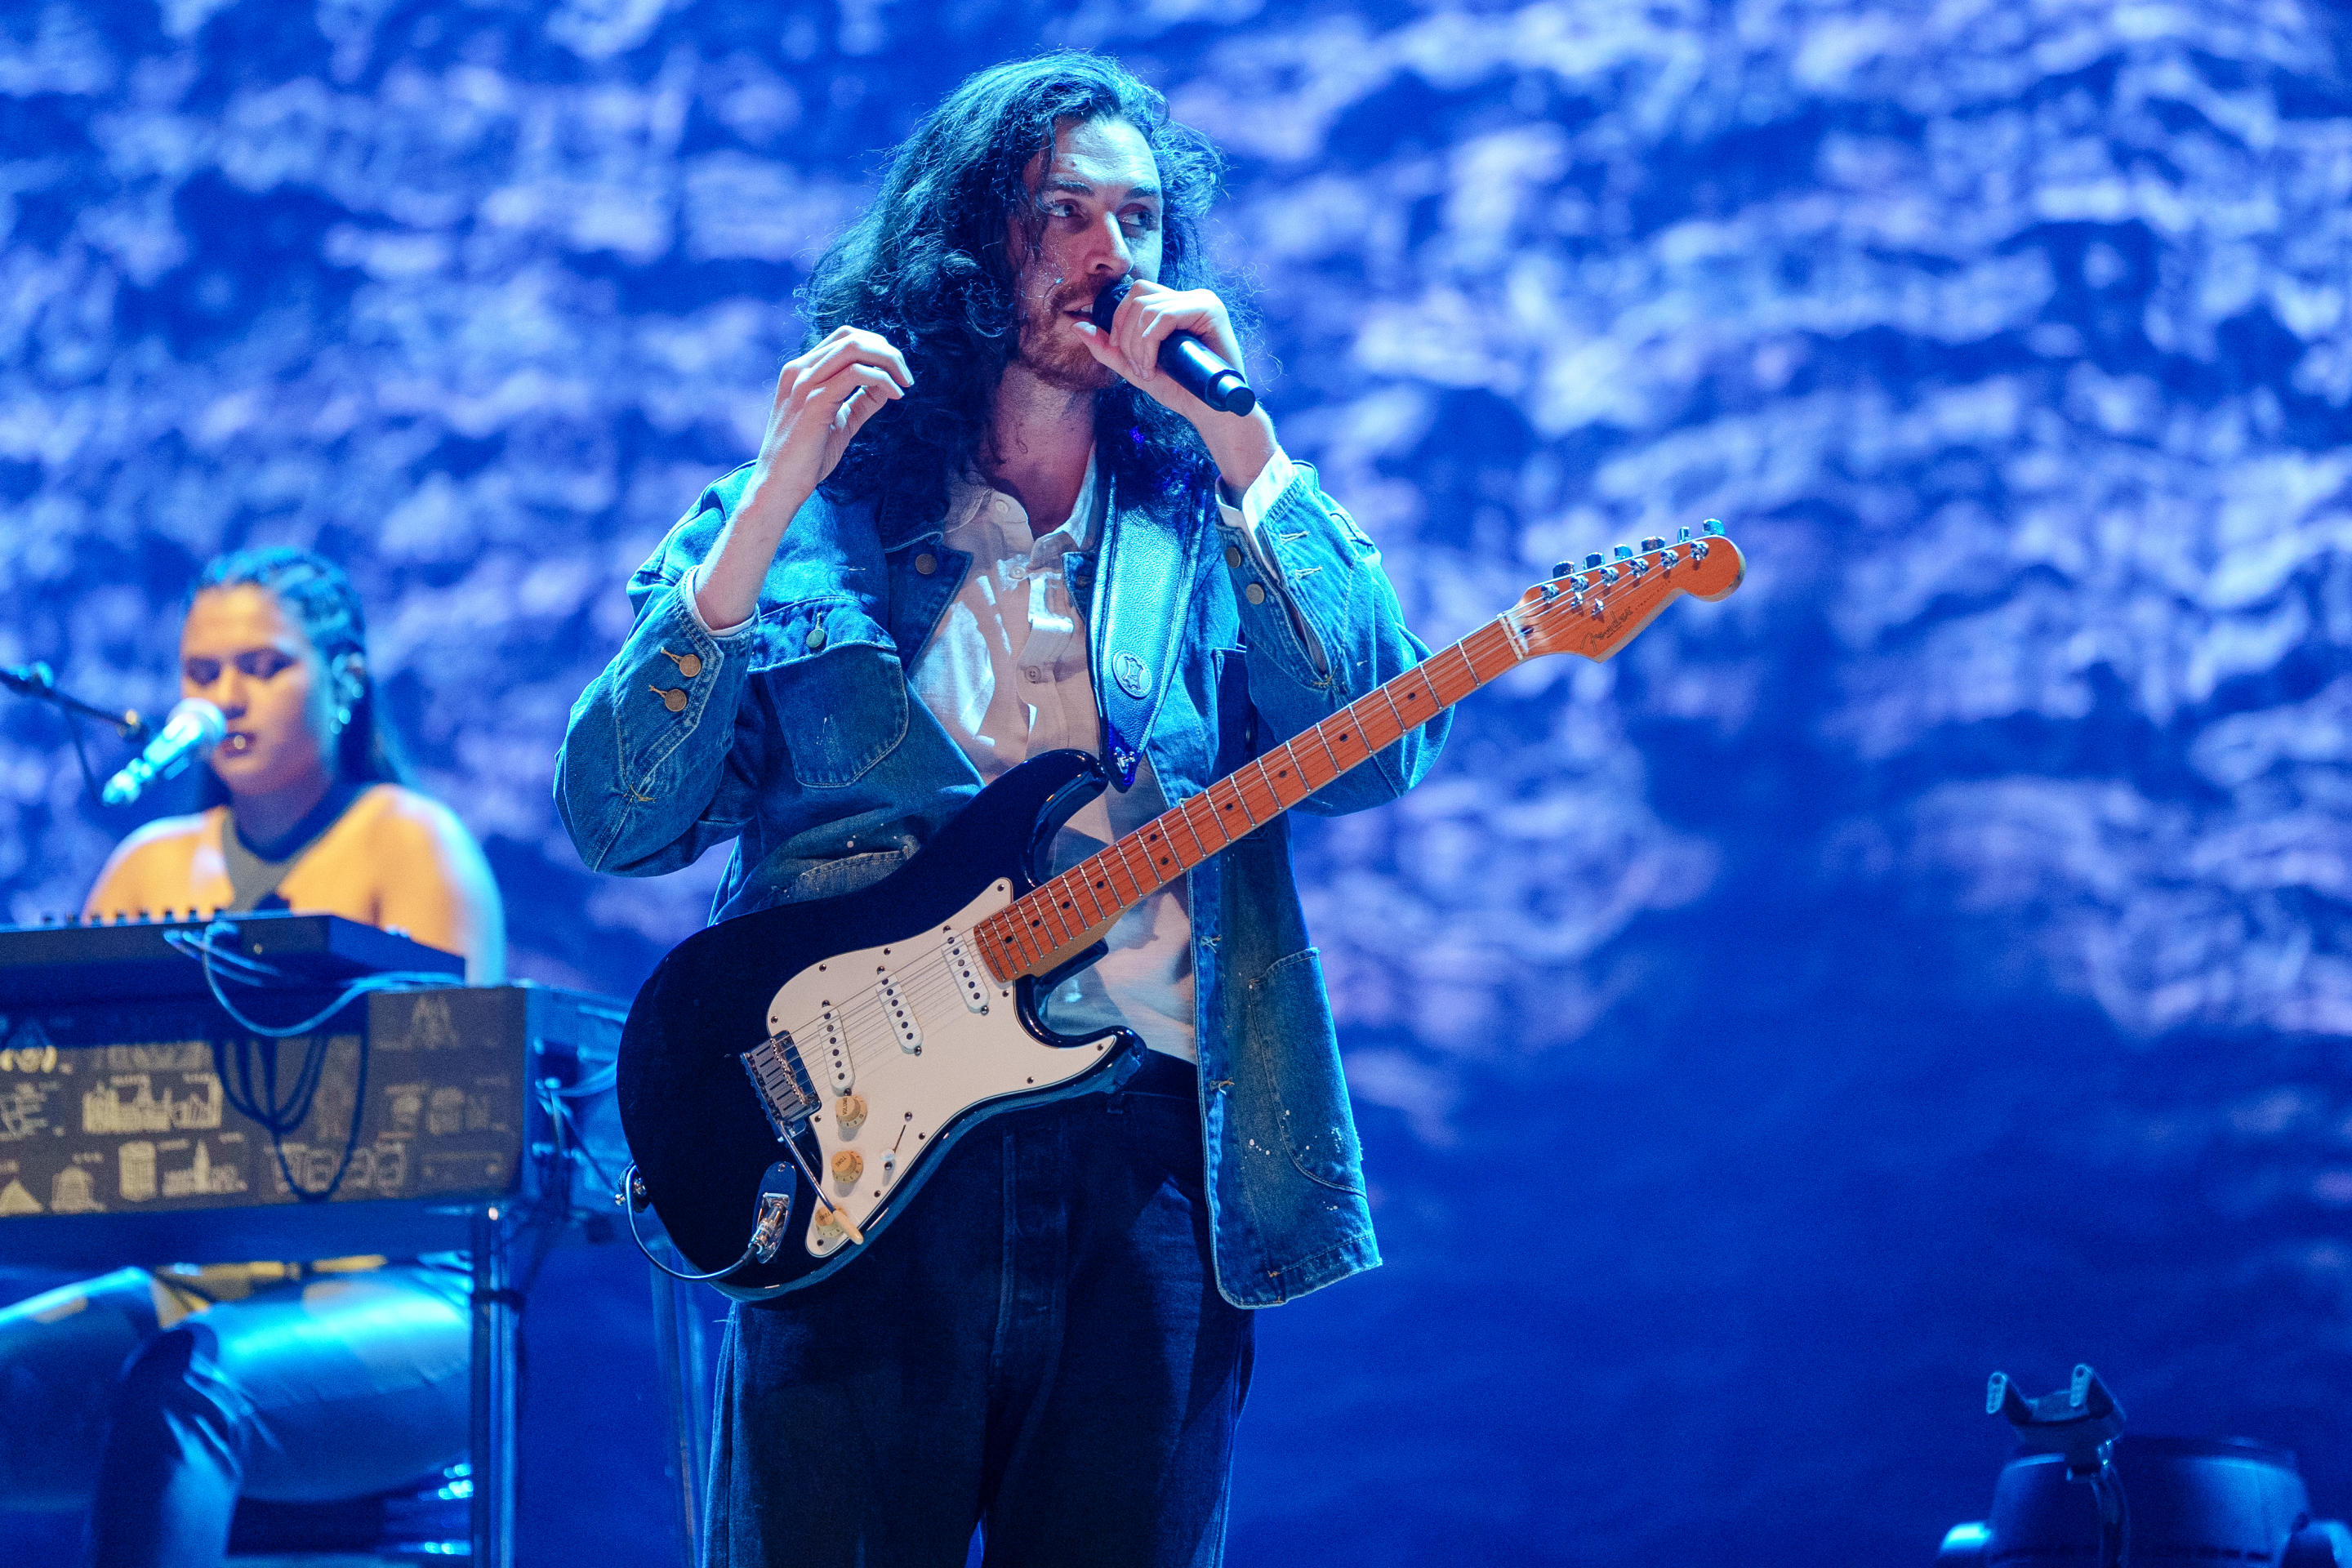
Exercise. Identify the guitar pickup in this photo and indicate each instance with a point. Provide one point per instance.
(902, 1014)
(967, 974)
(833, 1050)
(785, 1095)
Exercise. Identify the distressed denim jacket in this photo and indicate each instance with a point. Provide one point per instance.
(796, 737)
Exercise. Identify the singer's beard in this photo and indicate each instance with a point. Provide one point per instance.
(1051, 349)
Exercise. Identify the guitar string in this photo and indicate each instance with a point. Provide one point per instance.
(853, 1018)
(933, 978)
(865, 1007)
(864, 1010)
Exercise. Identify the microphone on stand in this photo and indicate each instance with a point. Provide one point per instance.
(192, 728)
(1196, 366)
(36, 680)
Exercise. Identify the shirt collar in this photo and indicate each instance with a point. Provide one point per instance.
(1078, 533)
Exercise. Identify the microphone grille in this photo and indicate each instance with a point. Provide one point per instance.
(205, 718)
(1106, 302)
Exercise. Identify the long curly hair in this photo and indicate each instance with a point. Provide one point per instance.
(315, 595)
(930, 266)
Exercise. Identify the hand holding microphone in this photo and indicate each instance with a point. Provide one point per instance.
(193, 729)
(1182, 356)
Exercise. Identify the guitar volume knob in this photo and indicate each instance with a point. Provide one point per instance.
(849, 1166)
(849, 1113)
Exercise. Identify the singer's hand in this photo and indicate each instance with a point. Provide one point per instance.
(1145, 318)
(824, 397)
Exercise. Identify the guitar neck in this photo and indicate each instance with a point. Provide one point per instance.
(1062, 917)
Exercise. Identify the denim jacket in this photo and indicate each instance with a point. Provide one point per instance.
(796, 737)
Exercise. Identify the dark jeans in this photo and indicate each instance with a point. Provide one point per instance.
(334, 1387)
(1036, 1344)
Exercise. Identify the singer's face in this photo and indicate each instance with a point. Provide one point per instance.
(241, 652)
(1096, 220)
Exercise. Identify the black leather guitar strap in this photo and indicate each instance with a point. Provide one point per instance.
(1143, 591)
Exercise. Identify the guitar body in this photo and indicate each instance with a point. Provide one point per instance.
(863, 995)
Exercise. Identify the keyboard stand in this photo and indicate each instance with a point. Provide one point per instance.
(497, 1309)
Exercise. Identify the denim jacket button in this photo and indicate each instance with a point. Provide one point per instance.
(674, 700)
(927, 563)
(1255, 593)
(1232, 555)
(815, 639)
(690, 665)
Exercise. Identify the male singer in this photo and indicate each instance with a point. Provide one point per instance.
(979, 528)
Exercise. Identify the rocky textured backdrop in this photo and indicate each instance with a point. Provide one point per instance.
(1933, 958)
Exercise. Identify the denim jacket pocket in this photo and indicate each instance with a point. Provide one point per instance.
(832, 676)
(1290, 1010)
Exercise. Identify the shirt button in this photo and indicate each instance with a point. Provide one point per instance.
(815, 639)
(927, 563)
(1232, 555)
(1255, 593)
(1015, 571)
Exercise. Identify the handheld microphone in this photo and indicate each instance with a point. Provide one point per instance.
(192, 728)
(1196, 366)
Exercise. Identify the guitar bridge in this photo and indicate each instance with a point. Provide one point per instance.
(781, 1083)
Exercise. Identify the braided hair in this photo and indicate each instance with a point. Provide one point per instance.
(315, 593)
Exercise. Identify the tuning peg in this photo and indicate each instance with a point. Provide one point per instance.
(1712, 525)
(1682, 536)
(1624, 552)
(1652, 543)
(1591, 561)
(1562, 568)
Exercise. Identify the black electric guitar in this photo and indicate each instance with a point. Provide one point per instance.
(789, 1078)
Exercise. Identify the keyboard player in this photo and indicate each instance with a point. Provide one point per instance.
(154, 1397)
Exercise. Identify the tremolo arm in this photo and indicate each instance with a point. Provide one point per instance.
(786, 1096)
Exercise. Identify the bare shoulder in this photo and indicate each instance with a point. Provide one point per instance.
(163, 835)
(151, 866)
(399, 817)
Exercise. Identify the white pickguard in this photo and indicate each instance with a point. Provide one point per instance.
(917, 1054)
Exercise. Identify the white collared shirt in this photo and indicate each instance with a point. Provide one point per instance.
(1006, 674)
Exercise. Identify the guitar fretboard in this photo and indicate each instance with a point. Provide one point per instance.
(1048, 921)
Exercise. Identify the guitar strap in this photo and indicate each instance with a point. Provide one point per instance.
(1143, 590)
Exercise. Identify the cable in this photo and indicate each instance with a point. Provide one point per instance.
(205, 948)
(560, 1115)
(628, 1179)
(89, 776)
(281, 1114)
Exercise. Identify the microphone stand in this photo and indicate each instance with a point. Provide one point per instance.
(39, 682)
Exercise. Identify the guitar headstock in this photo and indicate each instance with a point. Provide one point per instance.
(1598, 607)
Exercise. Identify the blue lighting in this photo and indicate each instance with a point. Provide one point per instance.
(1937, 957)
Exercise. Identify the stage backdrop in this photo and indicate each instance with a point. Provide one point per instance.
(1932, 960)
